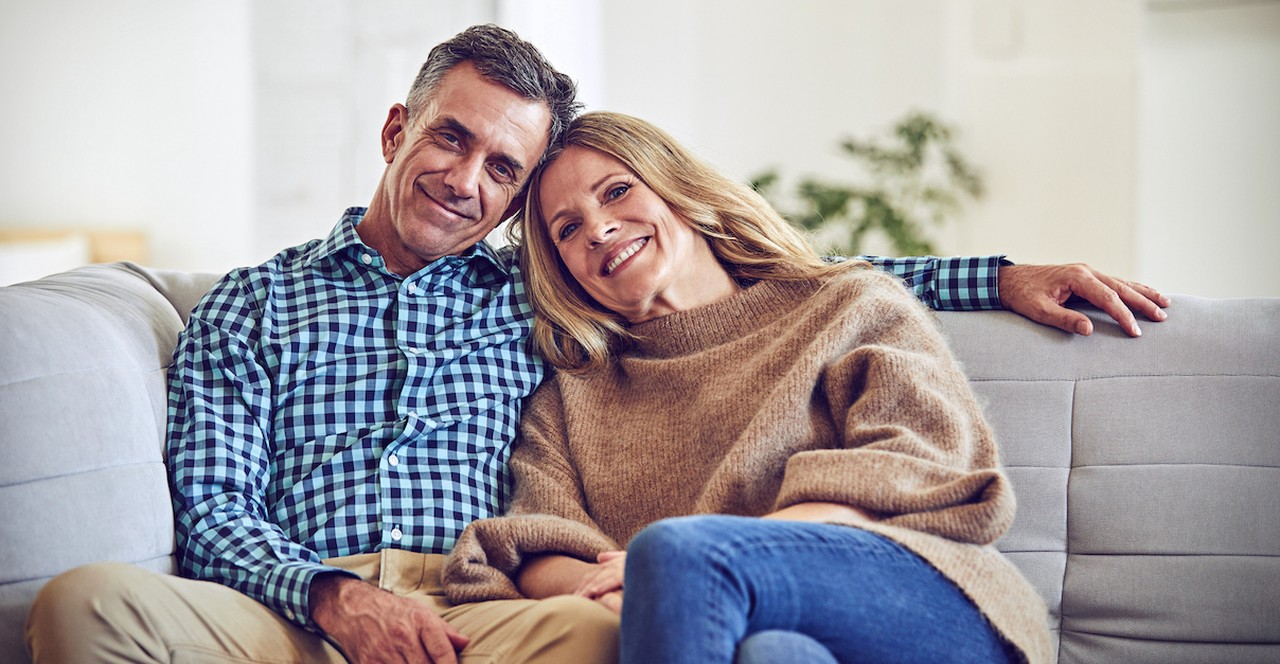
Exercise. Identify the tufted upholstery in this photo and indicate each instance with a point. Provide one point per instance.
(1148, 471)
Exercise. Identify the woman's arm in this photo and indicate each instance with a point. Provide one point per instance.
(915, 449)
(552, 574)
(548, 534)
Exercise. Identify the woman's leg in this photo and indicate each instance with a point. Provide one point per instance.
(697, 586)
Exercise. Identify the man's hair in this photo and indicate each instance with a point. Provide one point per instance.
(501, 56)
(747, 236)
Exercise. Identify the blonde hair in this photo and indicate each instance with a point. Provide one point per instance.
(749, 238)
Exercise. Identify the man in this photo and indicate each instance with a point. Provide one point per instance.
(341, 412)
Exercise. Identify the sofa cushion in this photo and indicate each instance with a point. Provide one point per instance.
(83, 356)
(1147, 473)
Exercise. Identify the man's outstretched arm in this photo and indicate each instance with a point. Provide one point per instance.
(1038, 292)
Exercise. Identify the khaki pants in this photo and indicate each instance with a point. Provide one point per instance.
(111, 612)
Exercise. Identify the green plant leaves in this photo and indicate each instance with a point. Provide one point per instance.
(898, 185)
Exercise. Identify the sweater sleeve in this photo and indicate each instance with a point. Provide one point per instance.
(547, 515)
(915, 450)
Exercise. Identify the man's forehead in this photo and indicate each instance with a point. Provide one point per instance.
(486, 109)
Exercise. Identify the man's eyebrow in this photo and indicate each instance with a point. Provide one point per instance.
(452, 124)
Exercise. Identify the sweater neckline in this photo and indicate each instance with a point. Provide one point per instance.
(721, 321)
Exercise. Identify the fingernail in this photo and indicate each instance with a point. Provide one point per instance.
(1083, 328)
(1161, 315)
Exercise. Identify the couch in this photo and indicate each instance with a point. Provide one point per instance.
(1147, 470)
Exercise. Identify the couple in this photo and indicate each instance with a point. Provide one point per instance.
(340, 414)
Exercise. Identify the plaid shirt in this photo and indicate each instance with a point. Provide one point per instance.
(321, 406)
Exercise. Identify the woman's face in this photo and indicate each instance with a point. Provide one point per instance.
(626, 247)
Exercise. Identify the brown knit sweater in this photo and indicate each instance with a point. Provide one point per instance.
(785, 392)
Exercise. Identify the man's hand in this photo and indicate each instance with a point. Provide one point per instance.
(373, 625)
(1039, 291)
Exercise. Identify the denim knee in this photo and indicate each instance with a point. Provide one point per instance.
(773, 646)
(677, 536)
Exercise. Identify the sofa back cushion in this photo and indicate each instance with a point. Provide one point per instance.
(1147, 473)
(83, 356)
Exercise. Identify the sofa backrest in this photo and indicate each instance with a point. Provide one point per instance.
(1147, 473)
(1147, 470)
(82, 414)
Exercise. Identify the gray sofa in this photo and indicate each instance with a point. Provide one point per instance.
(1148, 470)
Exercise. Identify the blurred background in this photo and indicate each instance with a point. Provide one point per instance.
(1140, 136)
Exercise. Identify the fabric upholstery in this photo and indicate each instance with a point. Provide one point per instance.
(1147, 470)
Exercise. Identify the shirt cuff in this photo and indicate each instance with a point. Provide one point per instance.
(967, 283)
(290, 593)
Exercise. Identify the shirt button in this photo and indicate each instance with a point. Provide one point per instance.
(396, 534)
(393, 460)
(366, 259)
(288, 613)
(413, 289)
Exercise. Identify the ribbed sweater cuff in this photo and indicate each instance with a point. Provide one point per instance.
(488, 555)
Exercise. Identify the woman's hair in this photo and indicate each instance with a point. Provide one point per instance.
(747, 236)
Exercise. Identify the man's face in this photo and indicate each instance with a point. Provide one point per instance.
(454, 169)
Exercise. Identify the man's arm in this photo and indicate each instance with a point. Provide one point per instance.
(220, 456)
(1038, 292)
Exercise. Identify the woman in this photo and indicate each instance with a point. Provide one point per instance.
(845, 486)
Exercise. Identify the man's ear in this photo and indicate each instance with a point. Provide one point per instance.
(394, 130)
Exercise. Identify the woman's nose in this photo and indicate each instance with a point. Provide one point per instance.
(599, 228)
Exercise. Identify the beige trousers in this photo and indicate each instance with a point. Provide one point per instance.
(111, 612)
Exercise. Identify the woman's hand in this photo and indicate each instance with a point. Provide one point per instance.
(554, 574)
(604, 583)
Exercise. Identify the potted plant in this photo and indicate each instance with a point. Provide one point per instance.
(899, 186)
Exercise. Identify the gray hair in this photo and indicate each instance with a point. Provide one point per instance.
(501, 56)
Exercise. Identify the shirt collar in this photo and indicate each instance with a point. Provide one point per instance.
(344, 237)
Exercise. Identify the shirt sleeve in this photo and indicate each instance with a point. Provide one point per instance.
(548, 514)
(915, 450)
(219, 450)
(957, 283)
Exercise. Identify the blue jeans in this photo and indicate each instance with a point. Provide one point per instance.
(697, 587)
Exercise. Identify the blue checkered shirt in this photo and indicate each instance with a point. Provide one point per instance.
(321, 406)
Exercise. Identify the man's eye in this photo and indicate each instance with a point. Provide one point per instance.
(448, 138)
(503, 171)
(566, 230)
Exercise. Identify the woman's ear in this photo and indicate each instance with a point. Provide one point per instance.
(393, 131)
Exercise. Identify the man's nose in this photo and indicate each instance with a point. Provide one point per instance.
(463, 179)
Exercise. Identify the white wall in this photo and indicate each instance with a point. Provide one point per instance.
(132, 114)
(1210, 176)
(1108, 130)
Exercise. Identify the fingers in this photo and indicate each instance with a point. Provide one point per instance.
(599, 584)
(1106, 296)
(1144, 300)
(612, 601)
(606, 556)
(1150, 293)
(442, 641)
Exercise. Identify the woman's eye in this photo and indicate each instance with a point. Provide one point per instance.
(616, 191)
(566, 230)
